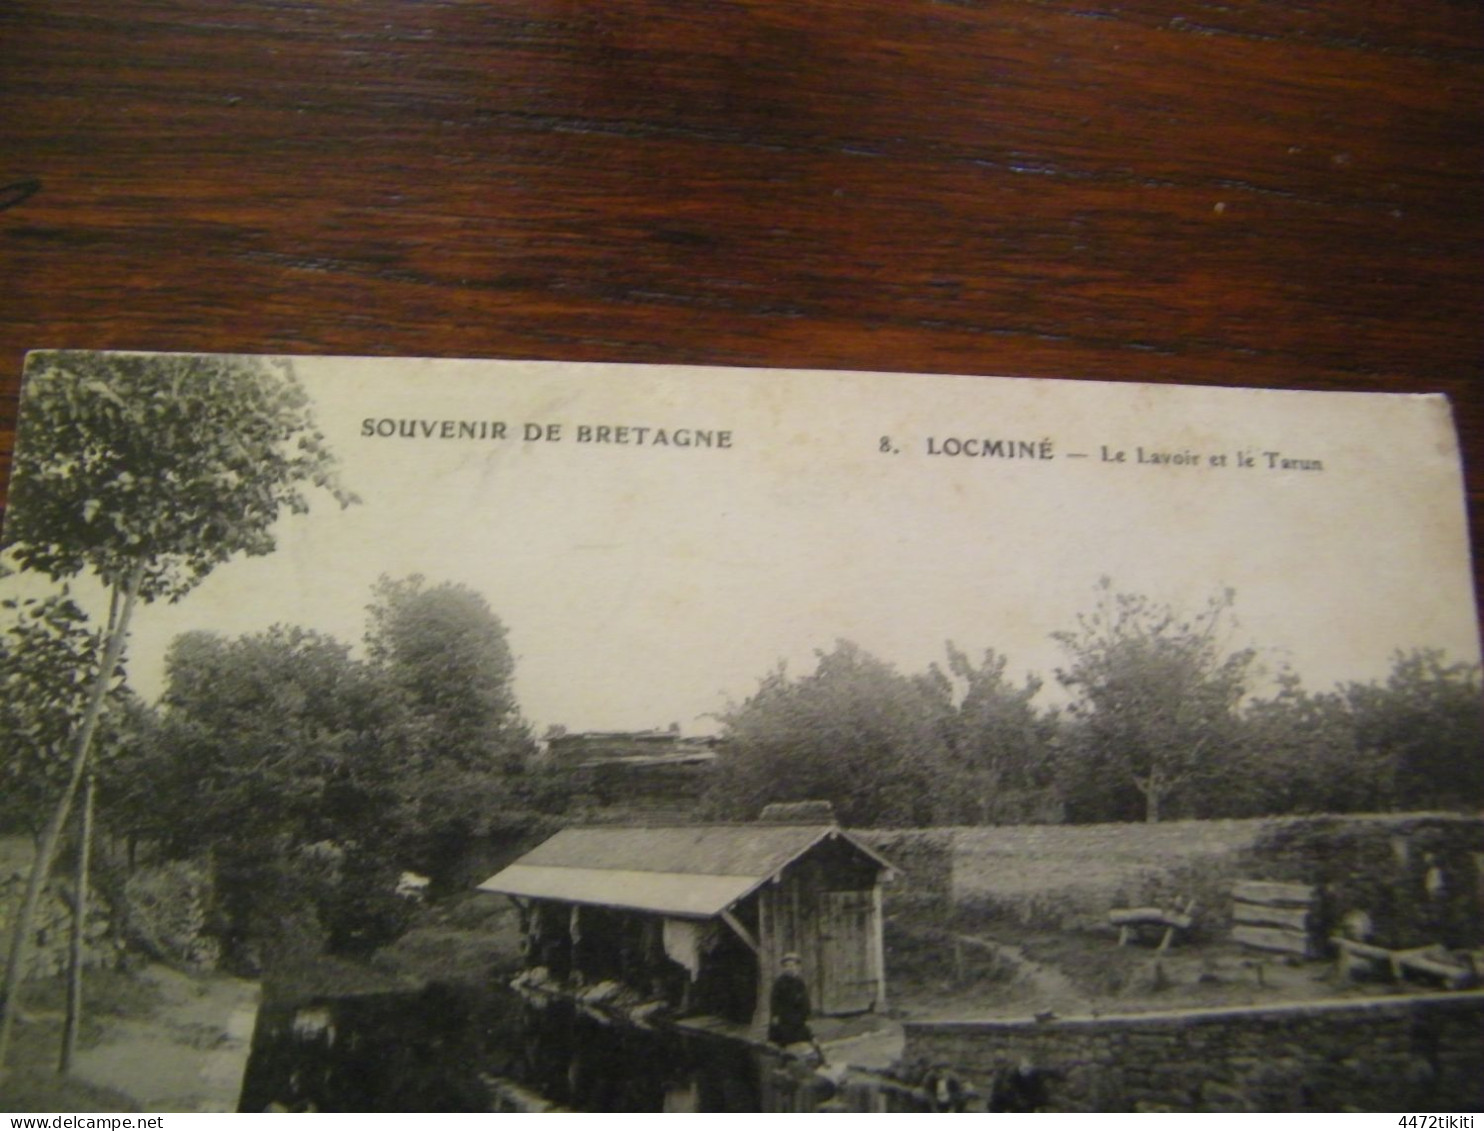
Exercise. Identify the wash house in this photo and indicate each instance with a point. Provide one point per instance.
(700, 916)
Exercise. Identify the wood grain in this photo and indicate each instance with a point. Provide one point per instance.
(1255, 194)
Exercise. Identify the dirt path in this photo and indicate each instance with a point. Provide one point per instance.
(1035, 987)
(189, 1055)
(1045, 985)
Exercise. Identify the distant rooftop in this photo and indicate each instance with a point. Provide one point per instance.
(596, 746)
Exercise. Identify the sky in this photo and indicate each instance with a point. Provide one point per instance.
(646, 584)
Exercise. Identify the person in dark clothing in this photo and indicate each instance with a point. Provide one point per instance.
(788, 1014)
(1020, 1089)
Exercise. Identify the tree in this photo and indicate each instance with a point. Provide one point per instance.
(160, 465)
(445, 655)
(283, 725)
(1425, 724)
(998, 742)
(854, 732)
(147, 471)
(275, 755)
(352, 770)
(1297, 754)
(445, 659)
(48, 659)
(1156, 691)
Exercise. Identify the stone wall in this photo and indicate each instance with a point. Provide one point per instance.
(52, 929)
(1412, 1053)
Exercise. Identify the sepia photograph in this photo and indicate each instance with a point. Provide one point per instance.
(394, 734)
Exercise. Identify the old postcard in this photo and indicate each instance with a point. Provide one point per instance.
(393, 734)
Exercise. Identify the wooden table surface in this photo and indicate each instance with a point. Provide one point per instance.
(1254, 193)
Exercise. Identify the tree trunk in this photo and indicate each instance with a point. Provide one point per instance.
(79, 929)
(1151, 804)
(20, 940)
(1153, 788)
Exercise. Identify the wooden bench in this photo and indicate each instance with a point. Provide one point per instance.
(1433, 963)
(1131, 920)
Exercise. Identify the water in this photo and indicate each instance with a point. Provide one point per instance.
(426, 1051)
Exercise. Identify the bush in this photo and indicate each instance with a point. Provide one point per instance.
(166, 913)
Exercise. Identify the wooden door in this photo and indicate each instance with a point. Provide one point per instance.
(848, 979)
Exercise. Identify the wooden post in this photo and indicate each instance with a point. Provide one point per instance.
(878, 957)
(742, 932)
(768, 953)
(574, 936)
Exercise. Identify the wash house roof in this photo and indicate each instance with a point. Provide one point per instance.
(689, 871)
